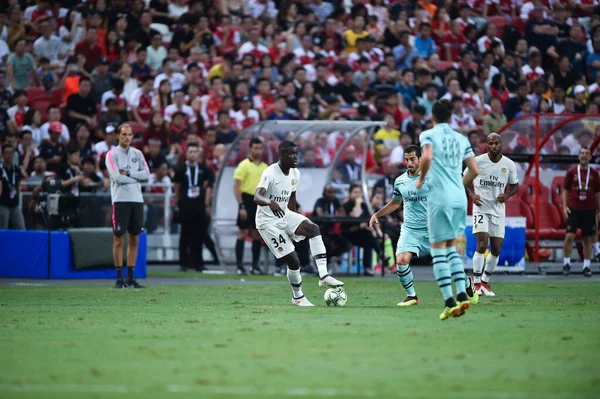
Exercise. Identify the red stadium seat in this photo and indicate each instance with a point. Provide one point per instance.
(549, 217)
(557, 190)
(58, 95)
(36, 93)
(500, 23)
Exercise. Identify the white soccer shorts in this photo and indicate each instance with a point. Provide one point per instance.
(491, 224)
(279, 236)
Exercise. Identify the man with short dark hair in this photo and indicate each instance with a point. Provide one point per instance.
(193, 185)
(443, 153)
(10, 178)
(414, 238)
(127, 168)
(52, 150)
(81, 107)
(245, 180)
(581, 204)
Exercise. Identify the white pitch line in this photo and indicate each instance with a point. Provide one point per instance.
(285, 392)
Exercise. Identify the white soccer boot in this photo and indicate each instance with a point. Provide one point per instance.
(302, 301)
(486, 290)
(329, 281)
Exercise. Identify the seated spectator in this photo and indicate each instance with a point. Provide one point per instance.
(454, 42)
(32, 123)
(431, 95)
(48, 45)
(111, 116)
(38, 174)
(225, 134)
(51, 150)
(110, 141)
(54, 115)
(460, 121)
(279, 112)
(153, 154)
(356, 32)
(484, 43)
(397, 155)
(156, 52)
(329, 205)
(46, 74)
(179, 106)
(525, 108)
(179, 130)
(252, 46)
(212, 103)
(386, 139)
(91, 182)
(423, 42)
(159, 184)
(70, 171)
(19, 67)
(495, 119)
(26, 150)
(17, 112)
(349, 168)
(176, 79)
(358, 233)
(532, 70)
(81, 107)
(580, 99)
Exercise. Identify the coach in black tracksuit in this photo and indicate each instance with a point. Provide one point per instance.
(193, 188)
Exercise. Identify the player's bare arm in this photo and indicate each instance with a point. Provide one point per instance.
(390, 207)
(472, 171)
(260, 199)
(425, 160)
(476, 198)
(292, 203)
(512, 190)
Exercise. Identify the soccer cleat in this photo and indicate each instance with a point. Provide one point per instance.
(120, 284)
(462, 308)
(409, 301)
(566, 270)
(487, 290)
(134, 284)
(328, 281)
(478, 288)
(256, 271)
(587, 272)
(450, 312)
(242, 271)
(302, 301)
(472, 291)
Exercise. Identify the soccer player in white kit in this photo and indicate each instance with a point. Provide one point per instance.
(279, 224)
(496, 171)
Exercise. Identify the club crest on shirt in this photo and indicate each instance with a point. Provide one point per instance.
(134, 160)
(293, 182)
(503, 170)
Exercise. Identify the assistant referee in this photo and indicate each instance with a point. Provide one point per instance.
(245, 180)
(127, 167)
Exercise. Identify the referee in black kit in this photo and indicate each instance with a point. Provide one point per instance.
(193, 189)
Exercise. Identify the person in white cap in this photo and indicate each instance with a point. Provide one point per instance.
(580, 97)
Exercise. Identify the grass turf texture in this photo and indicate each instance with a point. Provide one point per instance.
(536, 340)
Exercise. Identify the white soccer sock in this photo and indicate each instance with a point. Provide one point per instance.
(295, 280)
(596, 248)
(490, 265)
(586, 263)
(318, 251)
(567, 261)
(478, 261)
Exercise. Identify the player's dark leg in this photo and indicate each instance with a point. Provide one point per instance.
(198, 243)
(568, 248)
(118, 244)
(479, 255)
(239, 250)
(133, 242)
(317, 248)
(210, 244)
(406, 278)
(457, 272)
(256, 248)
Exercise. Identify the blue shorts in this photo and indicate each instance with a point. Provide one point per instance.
(415, 241)
(445, 223)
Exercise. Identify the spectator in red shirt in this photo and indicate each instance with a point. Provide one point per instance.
(454, 42)
(89, 48)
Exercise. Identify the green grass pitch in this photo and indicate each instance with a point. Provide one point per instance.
(535, 340)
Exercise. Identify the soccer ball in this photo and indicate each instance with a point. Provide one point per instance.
(335, 297)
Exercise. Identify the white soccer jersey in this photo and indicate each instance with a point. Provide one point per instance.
(491, 182)
(279, 189)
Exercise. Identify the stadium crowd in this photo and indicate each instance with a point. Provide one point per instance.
(198, 71)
